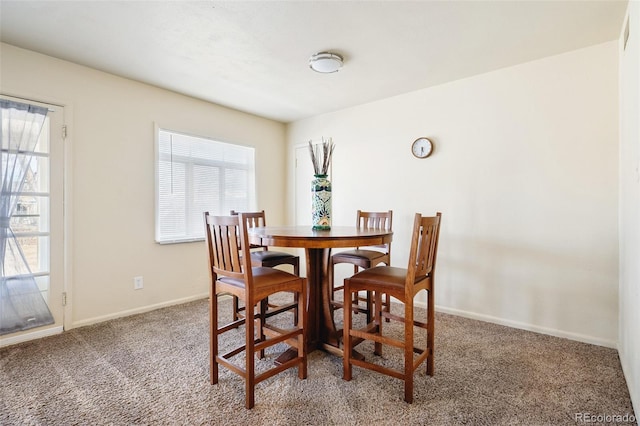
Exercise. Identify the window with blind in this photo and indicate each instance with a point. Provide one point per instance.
(194, 175)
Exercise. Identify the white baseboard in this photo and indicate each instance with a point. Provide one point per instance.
(466, 314)
(25, 337)
(529, 327)
(128, 312)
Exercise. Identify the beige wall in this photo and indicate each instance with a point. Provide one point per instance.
(525, 172)
(629, 336)
(112, 181)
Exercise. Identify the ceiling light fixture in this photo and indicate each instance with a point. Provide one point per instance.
(325, 62)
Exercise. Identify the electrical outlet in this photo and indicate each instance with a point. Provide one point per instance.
(137, 283)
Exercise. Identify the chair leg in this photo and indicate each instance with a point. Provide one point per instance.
(236, 307)
(302, 323)
(262, 312)
(431, 319)
(408, 351)
(249, 355)
(331, 278)
(296, 296)
(408, 388)
(369, 304)
(378, 321)
(356, 295)
(387, 305)
(213, 339)
(346, 336)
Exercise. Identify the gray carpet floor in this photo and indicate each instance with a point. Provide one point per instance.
(152, 369)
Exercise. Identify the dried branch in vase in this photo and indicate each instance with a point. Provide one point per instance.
(321, 159)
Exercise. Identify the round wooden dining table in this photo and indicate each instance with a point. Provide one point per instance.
(321, 329)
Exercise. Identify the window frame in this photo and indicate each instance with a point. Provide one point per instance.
(189, 190)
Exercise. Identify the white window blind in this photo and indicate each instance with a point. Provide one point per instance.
(194, 175)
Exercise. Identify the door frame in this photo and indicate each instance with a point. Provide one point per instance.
(65, 108)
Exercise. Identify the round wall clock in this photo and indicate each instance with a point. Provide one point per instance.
(422, 148)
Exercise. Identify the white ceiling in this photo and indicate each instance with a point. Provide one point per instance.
(253, 55)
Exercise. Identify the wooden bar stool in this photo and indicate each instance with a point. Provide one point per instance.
(232, 272)
(365, 257)
(262, 256)
(403, 284)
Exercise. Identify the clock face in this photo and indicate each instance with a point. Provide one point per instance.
(422, 148)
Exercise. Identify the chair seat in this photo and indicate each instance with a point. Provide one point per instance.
(350, 255)
(387, 279)
(269, 255)
(262, 277)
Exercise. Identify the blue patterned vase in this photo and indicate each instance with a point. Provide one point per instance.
(321, 202)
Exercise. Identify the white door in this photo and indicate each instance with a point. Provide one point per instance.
(41, 229)
(304, 175)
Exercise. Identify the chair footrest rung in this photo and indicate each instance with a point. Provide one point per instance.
(233, 352)
(280, 309)
(354, 308)
(277, 369)
(421, 358)
(401, 319)
(277, 337)
(378, 368)
(231, 325)
(377, 338)
(231, 366)
(292, 341)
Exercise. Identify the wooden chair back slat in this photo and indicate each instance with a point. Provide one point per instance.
(375, 220)
(427, 245)
(225, 246)
(253, 220)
